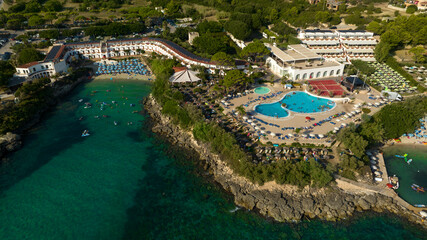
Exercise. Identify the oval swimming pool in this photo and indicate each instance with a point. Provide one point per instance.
(262, 90)
(299, 102)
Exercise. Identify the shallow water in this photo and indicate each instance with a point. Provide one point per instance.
(415, 172)
(122, 183)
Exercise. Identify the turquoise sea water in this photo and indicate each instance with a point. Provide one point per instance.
(122, 182)
(297, 101)
(415, 172)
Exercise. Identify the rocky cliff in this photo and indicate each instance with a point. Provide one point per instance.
(281, 202)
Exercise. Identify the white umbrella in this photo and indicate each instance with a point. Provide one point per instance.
(344, 125)
(290, 135)
(262, 131)
(374, 167)
(321, 135)
(245, 118)
(423, 214)
(336, 128)
(377, 173)
(373, 162)
(335, 131)
(312, 135)
(273, 134)
(257, 128)
(304, 135)
(373, 158)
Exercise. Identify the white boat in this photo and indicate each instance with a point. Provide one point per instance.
(378, 179)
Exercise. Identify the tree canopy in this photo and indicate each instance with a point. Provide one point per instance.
(235, 79)
(223, 58)
(239, 29)
(28, 55)
(255, 50)
(7, 71)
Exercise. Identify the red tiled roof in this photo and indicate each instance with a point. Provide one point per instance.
(27, 65)
(179, 69)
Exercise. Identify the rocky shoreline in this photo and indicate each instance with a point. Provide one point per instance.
(282, 202)
(11, 142)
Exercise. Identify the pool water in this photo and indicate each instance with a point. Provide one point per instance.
(299, 102)
(415, 172)
(262, 90)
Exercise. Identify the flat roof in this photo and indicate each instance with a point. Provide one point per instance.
(324, 31)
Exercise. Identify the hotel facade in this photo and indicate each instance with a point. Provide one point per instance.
(340, 45)
(59, 56)
(301, 63)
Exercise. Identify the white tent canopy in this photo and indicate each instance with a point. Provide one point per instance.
(184, 76)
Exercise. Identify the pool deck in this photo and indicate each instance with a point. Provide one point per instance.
(298, 120)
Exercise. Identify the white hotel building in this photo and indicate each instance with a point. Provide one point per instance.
(301, 63)
(58, 58)
(340, 45)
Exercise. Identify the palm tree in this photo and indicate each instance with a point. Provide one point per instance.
(241, 110)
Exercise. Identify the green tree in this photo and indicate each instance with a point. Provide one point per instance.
(173, 8)
(375, 27)
(239, 29)
(28, 55)
(35, 20)
(52, 6)
(223, 59)
(235, 79)
(411, 9)
(32, 7)
(211, 44)
(255, 50)
(7, 71)
(323, 16)
(241, 110)
(209, 26)
(418, 52)
(382, 51)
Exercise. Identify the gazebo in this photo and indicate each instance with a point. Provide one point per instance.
(184, 76)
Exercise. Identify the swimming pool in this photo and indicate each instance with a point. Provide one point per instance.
(299, 102)
(262, 90)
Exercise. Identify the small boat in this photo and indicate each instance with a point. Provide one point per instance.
(85, 133)
(394, 182)
(116, 123)
(417, 188)
(81, 118)
(108, 90)
(81, 100)
(419, 205)
(132, 105)
(105, 116)
(114, 102)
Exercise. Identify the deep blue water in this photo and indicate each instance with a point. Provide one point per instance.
(123, 182)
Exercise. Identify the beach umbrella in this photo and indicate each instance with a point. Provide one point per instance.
(312, 135)
(336, 128)
(374, 167)
(308, 118)
(290, 135)
(245, 118)
(373, 162)
(273, 134)
(321, 135)
(257, 128)
(304, 135)
(262, 131)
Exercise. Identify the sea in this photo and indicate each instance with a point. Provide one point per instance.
(413, 170)
(124, 182)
